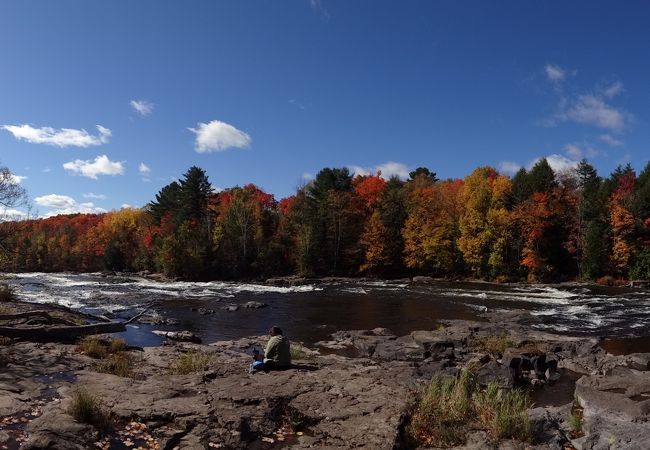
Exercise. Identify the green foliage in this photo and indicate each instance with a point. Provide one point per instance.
(7, 293)
(87, 408)
(575, 420)
(641, 265)
(191, 362)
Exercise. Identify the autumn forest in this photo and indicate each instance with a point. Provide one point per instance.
(536, 226)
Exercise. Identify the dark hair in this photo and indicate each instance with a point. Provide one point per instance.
(275, 331)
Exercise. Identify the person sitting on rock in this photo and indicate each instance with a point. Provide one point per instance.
(277, 354)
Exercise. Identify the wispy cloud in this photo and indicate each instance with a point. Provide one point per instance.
(595, 111)
(579, 151)
(554, 72)
(611, 140)
(64, 204)
(387, 169)
(58, 137)
(613, 89)
(92, 168)
(142, 107)
(144, 169)
(94, 196)
(318, 7)
(217, 136)
(509, 167)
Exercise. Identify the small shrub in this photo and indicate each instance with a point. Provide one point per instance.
(87, 408)
(493, 344)
(7, 293)
(191, 362)
(575, 420)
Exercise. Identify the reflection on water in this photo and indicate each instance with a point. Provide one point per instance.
(311, 312)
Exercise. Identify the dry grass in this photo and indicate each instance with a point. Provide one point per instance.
(449, 407)
(118, 364)
(298, 352)
(100, 349)
(87, 408)
(191, 362)
(494, 344)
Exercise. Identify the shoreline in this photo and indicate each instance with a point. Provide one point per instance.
(329, 398)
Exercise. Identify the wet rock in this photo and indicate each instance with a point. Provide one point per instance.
(231, 308)
(547, 426)
(422, 279)
(182, 336)
(255, 305)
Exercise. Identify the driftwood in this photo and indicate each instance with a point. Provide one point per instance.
(61, 333)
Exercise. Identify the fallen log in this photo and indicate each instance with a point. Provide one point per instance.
(61, 333)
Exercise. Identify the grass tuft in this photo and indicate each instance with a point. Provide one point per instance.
(298, 352)
(503, 413)
(191, 362)
(494, 344)
(7, 293)
(449, 407)
(100, 349)
(87, 408)
(117, 364)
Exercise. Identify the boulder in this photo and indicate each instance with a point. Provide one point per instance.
(182, 336)
(255, 305)
(493, 372)
(616, 409)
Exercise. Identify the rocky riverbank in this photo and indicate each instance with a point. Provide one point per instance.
(357, 390)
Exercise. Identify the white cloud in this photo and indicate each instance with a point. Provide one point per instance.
(125, 206)
(100, 166)
(554, 72)
(610, 140)
(61, 137)
(387, 169)
(47, 170)
(12, 214)
(55, 201)
(509, 167)
(216, 136)
(144, 169)
(142, 107)
(64, 204)
(307, 176)
(613, 89)
(593, 110)
(94, 196)
(578, 151)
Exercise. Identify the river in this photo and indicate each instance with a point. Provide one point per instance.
(311, 312)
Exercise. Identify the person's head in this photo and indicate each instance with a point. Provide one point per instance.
(275, 331)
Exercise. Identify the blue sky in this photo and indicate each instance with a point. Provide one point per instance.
(103, 103)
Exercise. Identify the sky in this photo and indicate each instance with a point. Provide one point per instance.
(104, 103)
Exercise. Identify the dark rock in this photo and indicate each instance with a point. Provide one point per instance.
(231, 308)
(497, 373)
(638, 361)
(255, 305)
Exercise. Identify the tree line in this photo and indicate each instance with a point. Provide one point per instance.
(537, 225)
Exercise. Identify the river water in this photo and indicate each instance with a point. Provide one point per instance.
(311, 312)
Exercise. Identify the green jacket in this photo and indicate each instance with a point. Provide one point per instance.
(278, 350)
